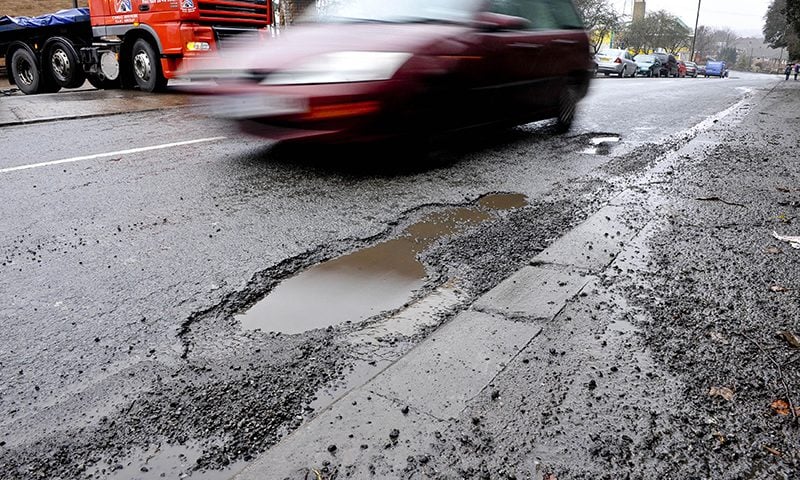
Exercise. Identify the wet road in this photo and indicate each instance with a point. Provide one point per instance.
(129, 242)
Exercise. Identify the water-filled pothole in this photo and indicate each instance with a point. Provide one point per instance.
(601, 145)
(370, 281)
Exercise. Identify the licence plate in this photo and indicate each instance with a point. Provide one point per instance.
(605, 59)
(257, 105)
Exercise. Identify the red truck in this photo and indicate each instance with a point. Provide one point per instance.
(124, 43)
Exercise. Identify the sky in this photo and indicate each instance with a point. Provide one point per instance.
(745, 17)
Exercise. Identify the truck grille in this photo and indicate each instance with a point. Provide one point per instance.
(253, 13)
(228, 38)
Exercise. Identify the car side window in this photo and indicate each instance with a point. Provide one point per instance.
(565, 14)
(506, 7)
(543, 14)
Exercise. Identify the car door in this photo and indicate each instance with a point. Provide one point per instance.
(517, 60)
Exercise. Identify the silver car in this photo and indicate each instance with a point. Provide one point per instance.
(615, 62)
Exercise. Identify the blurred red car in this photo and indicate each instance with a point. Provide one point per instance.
(681, 69)
(370, 70)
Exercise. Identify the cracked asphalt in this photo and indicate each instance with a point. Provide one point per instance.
(121, 357)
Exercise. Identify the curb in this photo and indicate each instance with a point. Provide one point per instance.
(80, 117)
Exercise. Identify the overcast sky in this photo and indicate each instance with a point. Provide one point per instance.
(744, 16)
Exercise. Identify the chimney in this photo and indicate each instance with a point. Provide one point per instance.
(639, 10)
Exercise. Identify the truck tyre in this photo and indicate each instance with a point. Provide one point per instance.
(27, 76)
(104, 84)
(62, 64)
(146, 67)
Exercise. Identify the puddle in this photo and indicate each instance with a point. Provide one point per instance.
(162, 461)
(601, 145)
(365, 283)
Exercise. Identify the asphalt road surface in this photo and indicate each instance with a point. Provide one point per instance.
(133, 243)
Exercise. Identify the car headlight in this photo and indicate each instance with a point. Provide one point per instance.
(341, 67)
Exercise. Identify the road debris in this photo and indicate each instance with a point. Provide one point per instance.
(771, 450)
(784, 408)
(717, 199)
(723, 392)
(793, 241)
(779, 289)
(792, 339)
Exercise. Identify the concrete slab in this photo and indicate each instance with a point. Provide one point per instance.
(593, 244)
(18, 109)
(534, 292)
(454, 364)
(360, 427)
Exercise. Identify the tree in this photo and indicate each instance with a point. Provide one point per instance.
(600, 19)
(638, 35)
(782, 24)
(672, 34)
(776, 25)
(728, 55)
(725, 38)
(704, 42)
(657, 30)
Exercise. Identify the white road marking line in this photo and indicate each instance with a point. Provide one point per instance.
(110, 154)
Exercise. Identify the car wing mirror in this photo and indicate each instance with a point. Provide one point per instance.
(490, 21)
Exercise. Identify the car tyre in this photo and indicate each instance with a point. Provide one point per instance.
(146, 67)
(567, 105)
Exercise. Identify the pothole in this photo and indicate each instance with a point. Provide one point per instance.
(601, 145)
(367, 282)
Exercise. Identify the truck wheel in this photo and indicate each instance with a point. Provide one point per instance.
(104, 84)
(25, 73)
(61, 62)
(146, 67)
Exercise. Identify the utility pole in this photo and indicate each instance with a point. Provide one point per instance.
(74, 3)
(696, 23)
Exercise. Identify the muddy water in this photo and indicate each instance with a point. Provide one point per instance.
(365, 283)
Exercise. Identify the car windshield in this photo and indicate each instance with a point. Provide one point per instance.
(446, 11)
(611, 53)
(645, 58)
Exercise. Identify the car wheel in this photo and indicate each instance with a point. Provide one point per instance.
(146, 66)
(567, 104)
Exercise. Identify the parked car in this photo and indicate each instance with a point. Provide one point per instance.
(716, 69)
(616, 62)
(701, 70)
(681, 69)
(669, 64)
(691, 69)
(364, 71)
(647, 65)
